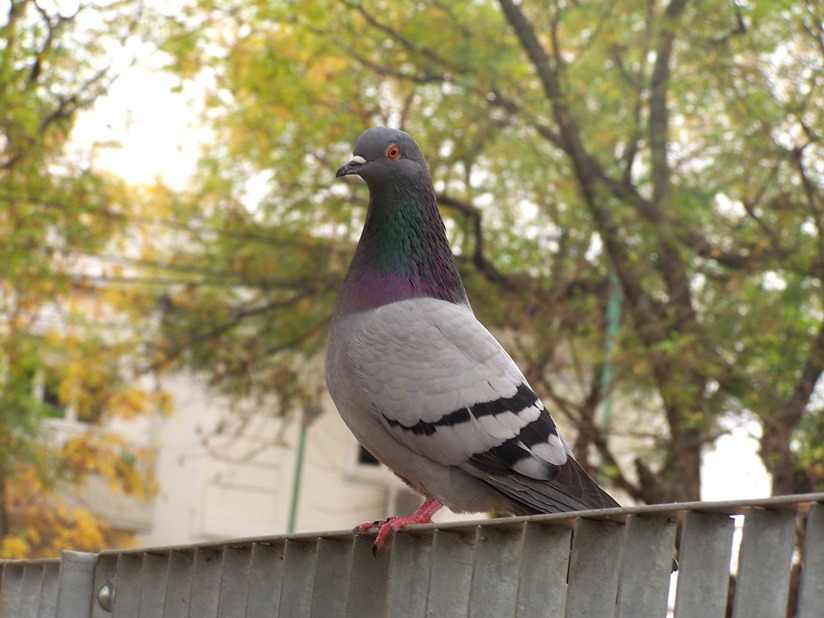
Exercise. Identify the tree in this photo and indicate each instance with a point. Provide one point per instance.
(674, 144)
(65, 338)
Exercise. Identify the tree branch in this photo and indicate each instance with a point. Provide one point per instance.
(586, 425)
(547, 71)
(779, 426)
(479, 259)
(397, 36)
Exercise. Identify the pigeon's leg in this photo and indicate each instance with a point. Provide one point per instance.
(422, 516)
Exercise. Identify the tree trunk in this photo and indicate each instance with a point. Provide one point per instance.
(657, 322)
(775, 449)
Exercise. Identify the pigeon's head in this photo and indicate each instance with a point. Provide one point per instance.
(383, 154)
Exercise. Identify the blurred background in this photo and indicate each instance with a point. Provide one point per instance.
(634, 192)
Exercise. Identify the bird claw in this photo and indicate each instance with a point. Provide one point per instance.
(422, 516)
(368, 525)
(385, 526)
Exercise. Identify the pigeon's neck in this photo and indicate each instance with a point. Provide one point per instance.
(403, 252)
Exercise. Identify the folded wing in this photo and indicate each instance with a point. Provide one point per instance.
(446, 389)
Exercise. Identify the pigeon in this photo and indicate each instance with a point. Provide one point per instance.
(419, 381)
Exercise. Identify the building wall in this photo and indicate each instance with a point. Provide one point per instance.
(223, 478)
(229, 474)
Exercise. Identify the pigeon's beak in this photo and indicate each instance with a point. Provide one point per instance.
(351, 167)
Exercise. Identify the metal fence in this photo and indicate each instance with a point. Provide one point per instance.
(614, 562)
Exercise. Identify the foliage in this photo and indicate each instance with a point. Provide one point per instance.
(675, 144)
(65, 340)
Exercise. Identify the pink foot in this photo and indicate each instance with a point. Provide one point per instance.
(422, 516)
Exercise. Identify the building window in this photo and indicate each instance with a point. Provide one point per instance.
(365, 458)
(45, 390)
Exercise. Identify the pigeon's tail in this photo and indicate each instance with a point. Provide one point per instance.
(571, 489)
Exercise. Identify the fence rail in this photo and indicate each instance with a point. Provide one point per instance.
(613, 562)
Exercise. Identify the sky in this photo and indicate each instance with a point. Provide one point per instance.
(155, 124)
(156, 127)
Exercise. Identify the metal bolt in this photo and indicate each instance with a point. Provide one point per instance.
(105, 597)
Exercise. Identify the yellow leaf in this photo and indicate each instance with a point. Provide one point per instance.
(14, 548)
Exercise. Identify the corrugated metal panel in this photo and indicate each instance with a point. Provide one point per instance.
(704, 565)
(75, 586)
(594, 568)
(812, 575)
(11, 593)
(764, 564)
(127, 582)
(265, 579)
(153, 573)
(332, 570)
(234, 582)
(368, 580)
(409, 569)
(298, 577)
(177, 591)
(450, 577)
(542, 576)
(494, 589)
(615, 562)
(104, 579)
(646, 567)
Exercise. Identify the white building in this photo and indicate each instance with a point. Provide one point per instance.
(234, 473)
(233, 476)
(227, 474)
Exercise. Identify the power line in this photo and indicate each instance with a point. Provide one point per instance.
(64, 322)
(188, 227)
(208, 275)
(85, 279)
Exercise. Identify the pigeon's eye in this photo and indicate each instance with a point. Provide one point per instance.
(393, 152)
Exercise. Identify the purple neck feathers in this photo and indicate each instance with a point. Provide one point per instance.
(403, 251)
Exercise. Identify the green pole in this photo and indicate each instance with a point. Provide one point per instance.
(293, 507)
(608, 368)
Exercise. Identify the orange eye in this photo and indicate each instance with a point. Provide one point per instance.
(393, 152)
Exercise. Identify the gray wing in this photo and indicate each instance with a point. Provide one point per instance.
(445, 388)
